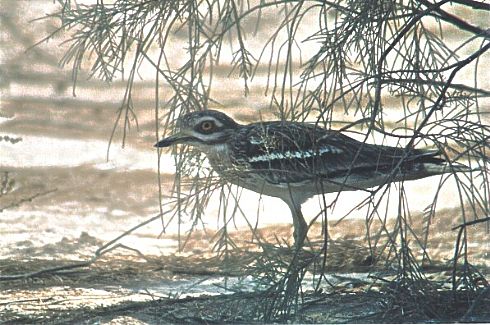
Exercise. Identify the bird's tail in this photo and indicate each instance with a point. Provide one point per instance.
(445, 167)
(435, 165)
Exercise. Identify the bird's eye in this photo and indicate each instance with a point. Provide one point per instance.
(207, 126)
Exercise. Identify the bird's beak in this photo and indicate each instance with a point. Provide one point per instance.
(171, 140)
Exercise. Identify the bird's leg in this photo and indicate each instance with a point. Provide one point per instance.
(299, 224)
(300, 228)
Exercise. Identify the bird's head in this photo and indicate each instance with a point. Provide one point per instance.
(201, 128)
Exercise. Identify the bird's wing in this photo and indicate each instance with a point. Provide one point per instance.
(293, 152)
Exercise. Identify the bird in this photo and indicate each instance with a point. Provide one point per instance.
(295, 161)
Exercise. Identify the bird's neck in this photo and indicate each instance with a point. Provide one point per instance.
(218, 156)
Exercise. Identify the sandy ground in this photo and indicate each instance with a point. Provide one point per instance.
(68, 199)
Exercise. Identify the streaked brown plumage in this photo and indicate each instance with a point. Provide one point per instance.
(295, 161)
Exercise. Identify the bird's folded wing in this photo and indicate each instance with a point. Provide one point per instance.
(291, 152)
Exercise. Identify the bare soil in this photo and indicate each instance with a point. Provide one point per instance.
(197, 285)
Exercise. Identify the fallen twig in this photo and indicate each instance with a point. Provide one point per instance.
(100, 251)
(462, 227)
(466, 316)
(27, 199)
(470, 223)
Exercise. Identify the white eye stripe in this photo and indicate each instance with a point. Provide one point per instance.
(295, 154)
(206, 137)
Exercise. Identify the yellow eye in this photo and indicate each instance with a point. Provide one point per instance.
(207, 126)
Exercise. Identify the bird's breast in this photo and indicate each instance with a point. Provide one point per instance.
(219, 156)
